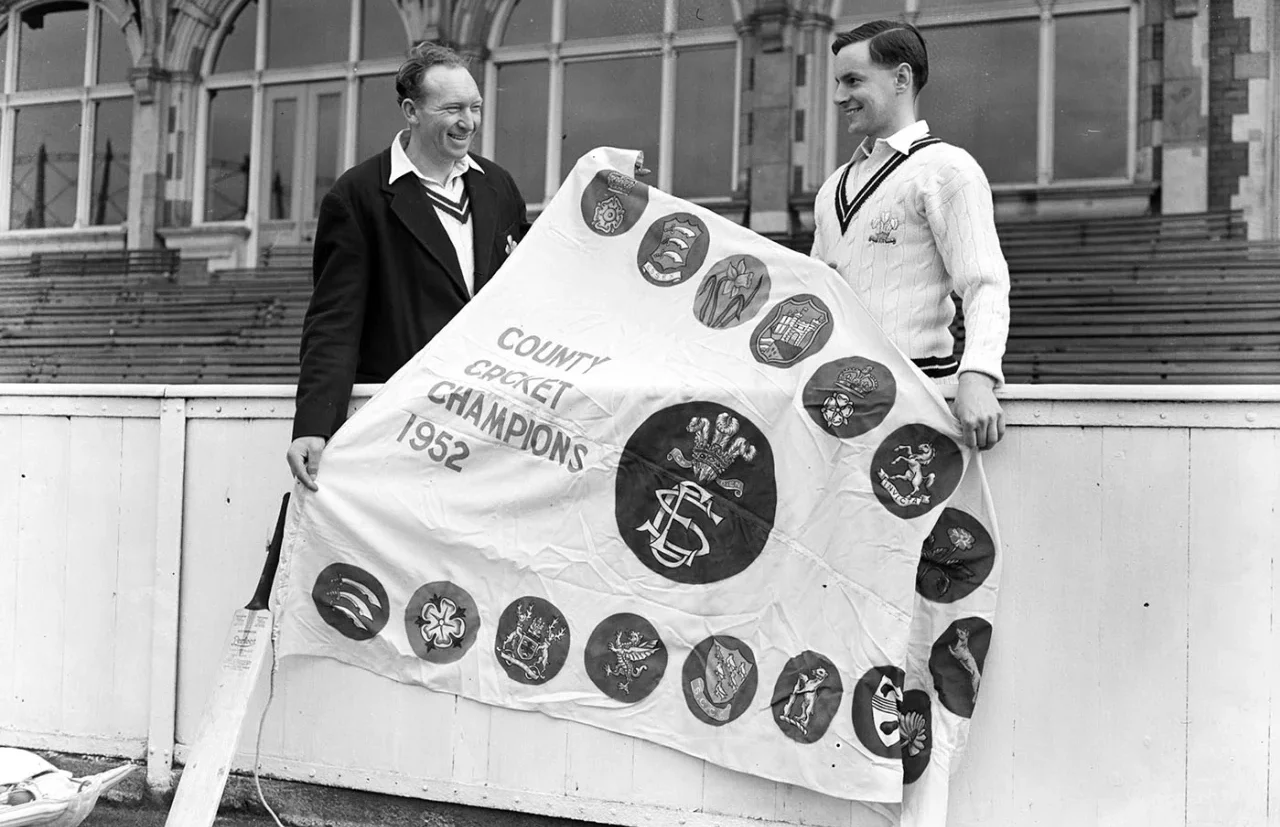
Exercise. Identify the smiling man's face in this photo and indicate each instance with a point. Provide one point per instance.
(869, 95)
(448, 114)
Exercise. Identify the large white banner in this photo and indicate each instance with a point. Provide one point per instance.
(665, 477)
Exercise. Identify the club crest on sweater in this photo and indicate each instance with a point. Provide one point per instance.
(883, 229)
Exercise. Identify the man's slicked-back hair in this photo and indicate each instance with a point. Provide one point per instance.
(422, 57)
(892, 44)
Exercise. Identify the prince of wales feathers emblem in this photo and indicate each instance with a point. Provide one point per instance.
(672, 253)
(852, 382)
(883, 228)
(527, 647)
(610, 212)
(723, 676)
(712, 455)
(630, 652)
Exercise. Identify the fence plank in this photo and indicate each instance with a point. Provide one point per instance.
(1233, 526)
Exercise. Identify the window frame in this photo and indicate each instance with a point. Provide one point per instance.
(350, 71)
(1048, 13)
(86, 95)
(559, 52)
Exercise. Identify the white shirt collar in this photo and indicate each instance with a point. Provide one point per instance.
(401, 165)
(900, 140)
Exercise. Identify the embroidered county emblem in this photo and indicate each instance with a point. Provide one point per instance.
(351, 600)
(695, 495)
(794, 329)
(850, 396)
(915, 469)
(441, 621)
(719, 679)
(883, 229)
(955, 558)
(625, 658)
(532, 641)
(612, 202)
(673, 248)
(806, 697)
(732, 292)
(916, 723)
(956, 663)
(877, 698)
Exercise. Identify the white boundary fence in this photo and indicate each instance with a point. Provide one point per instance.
(1134, 675)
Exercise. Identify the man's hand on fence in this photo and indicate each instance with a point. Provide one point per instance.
(304, 459)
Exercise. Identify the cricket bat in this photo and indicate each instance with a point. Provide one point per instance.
(199, 792)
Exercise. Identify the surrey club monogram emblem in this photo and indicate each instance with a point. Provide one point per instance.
(682, 527)
(721, 690)
(533, 639)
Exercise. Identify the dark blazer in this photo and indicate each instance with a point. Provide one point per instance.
(387, 279)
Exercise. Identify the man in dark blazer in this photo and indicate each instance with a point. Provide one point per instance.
(403, 240)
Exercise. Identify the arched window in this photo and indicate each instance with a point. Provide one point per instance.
(656, 75)
(296, 92)
(1037, 99)
(67, 116)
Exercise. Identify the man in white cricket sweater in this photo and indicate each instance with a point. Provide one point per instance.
(909, 219)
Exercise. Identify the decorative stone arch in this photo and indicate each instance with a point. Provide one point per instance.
(128, 15)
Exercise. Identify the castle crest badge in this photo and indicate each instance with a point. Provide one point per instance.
(794, 329)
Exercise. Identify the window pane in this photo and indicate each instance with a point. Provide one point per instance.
(307, 32)
(520, 108)
(698, 14)
(530, 22)
(1091, 94)
(114, 60)
(46, 158)
(380, 117)
(703, 151)
(4, 51)
(328, 145)
(384, 34)
(611, 103)
(278, 190)
(227, 178)
(606, 18)
(112, 134)
(51, 53)
(237, 50)
(981, 94)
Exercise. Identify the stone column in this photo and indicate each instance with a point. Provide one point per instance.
(1180, 106)
(147, 172)
(768, 51)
